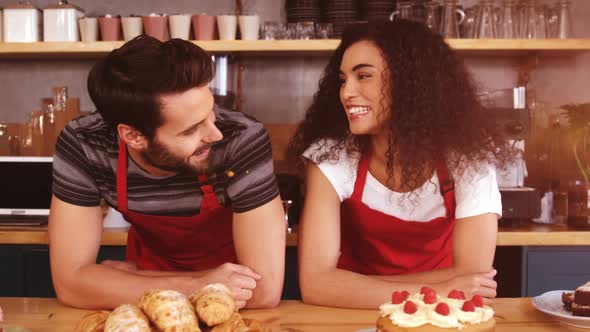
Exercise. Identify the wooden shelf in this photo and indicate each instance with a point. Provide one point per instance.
(533, 234)
(527, 234)
(520, 47)
(479, 47)
(39, 235)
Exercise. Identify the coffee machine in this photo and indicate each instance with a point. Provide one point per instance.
(518, 201)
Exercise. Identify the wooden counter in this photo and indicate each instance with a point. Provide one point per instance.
(45, 315)
(525, 234)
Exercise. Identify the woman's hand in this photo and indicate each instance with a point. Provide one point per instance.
(482, 284)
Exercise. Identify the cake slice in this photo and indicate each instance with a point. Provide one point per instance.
(580, 310)
(582, 295)
(568, 300)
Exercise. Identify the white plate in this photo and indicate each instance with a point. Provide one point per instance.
(551, 304)
(368, 330)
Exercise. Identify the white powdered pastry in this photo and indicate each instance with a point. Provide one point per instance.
(426, 313)
(217, 287)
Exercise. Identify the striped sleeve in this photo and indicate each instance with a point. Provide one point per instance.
(72, 180)
(254, 183)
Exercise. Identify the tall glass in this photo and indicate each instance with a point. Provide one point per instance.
(565, 20)
(552, 17)
(432, 15)
(449, 24)
(535, 26)
(469, 23)
(486, 27)
(508, 26)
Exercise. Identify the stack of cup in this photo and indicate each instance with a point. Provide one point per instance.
(249, 27)
(204, 27)
(227, 26)
(88, 29)
(110, 27)
(132, 26)
(156, 25)
(180, 26)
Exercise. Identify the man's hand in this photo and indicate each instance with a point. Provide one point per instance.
(240, 279)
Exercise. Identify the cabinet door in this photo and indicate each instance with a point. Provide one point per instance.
(555, 268)
(291, 283)
(11, 271)
(116, 253)
(37, 276)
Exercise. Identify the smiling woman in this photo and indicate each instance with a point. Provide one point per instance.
(400, 186)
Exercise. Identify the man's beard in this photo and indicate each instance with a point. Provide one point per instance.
(159, 156)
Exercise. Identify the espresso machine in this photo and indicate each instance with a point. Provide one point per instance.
(519, 203)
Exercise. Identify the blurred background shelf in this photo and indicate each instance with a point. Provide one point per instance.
(479, 47)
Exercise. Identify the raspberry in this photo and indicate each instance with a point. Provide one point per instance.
(406, 294)
(442, 309)
(410, 307)
(424, 290)
(429, 298)
(397, 298)
(456, 294)
(477, 300)
(468, 306)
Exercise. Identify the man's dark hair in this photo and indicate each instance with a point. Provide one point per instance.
(126, 85)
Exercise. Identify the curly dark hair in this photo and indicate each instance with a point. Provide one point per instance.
(435, 111)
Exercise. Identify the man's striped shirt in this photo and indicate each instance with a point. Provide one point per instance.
(85, 169)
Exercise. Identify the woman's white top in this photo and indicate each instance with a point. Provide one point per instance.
(476, 192)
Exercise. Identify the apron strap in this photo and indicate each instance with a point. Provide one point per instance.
(361, 177)
(122, 177)
(210, 201)
(447, 187)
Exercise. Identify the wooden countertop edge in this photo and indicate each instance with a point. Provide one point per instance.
(37, 235)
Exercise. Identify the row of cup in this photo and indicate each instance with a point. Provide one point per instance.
(113, 28)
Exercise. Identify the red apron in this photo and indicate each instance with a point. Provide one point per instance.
(171, 243)
(374, 243)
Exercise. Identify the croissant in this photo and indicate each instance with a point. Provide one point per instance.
(254, 325)
(170, 311)
(92, 322)
(127, 318)
(233, 324)
(214, 304)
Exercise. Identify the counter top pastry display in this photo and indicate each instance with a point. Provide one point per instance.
(431, 312)
(212, 308)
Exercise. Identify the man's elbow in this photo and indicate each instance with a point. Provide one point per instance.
(67, 297)
(267, 297)
(67, 292)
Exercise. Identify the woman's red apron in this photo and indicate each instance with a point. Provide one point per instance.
(374, 243)
(172, 243)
